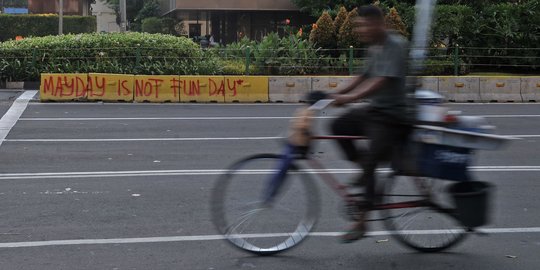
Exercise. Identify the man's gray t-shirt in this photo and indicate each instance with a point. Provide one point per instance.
(390, 61)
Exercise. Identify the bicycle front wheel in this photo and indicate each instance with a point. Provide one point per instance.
(422, 216)
(249, 219)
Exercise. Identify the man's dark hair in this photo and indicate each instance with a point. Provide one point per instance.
(371, 12)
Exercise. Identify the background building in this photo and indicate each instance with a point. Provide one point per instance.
(14, 6)
(71, 7)
(228, 21)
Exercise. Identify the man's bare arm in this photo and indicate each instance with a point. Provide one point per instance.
(357, 81)
(363, 90)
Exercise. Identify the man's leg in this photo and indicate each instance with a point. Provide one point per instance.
(350, 124)
(384, 137)
(380, 148)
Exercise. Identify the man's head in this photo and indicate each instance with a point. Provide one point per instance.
(370, 24)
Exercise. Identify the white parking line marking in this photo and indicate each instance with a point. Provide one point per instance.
(146, 139)
(192, 139)
(14, 113)
(170, 104)
(164, 118)
(104, 174)
(510, 115)
(220, 237)
(221, 118)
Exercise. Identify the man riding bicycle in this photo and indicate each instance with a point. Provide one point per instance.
(384, 120)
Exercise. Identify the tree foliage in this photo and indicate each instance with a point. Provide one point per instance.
(317, 7)
(453, 24)
(139, 10)
(150, 9)
(152, 25)
(132, 8)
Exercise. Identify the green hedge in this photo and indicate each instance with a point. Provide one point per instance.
(43, 25)
(123, 53)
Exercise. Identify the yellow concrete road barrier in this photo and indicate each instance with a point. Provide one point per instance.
(110, 87)
(288, 89)
(460, 89)
(530, 89)
(429, 83)
(160, 88)
(245, 88)
(333, 83)
(202, 89)
(63, 87)
(156, 88)
(500, 89)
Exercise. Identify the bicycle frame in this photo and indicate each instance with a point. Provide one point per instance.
(335, 185)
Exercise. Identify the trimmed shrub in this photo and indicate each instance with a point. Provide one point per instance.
(393, 21)
(323, 34)
(340, 19)
(347, 37)
(43, 25)
(123, 53)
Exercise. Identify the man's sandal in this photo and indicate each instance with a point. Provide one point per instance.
(355, 233)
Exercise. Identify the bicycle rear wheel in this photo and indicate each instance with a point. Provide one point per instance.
(246, 218)
(429, 226)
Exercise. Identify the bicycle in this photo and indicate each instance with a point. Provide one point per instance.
(269, 203)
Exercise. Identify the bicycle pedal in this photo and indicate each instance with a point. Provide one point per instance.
(353, 210)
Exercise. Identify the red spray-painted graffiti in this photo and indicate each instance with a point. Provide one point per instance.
(153, 88)
(149, 87)
(65, 86)
(215, 87)
(97, 87)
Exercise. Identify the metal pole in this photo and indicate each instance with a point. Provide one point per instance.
(456, 60)
(60, 17)
(248, 54)
(123, 16)
(421, 32)
(351, 52)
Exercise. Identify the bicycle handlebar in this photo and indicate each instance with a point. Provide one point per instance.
(321, 104)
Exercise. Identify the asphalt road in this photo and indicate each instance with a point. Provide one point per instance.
(125, 172)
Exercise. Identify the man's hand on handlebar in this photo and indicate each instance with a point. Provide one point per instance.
(342, 99)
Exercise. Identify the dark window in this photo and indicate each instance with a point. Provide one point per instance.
(194, 30)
